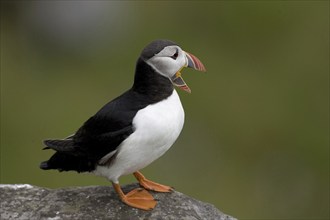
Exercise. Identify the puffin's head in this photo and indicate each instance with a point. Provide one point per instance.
(168, 59)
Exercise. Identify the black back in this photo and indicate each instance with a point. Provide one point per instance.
(103, 133)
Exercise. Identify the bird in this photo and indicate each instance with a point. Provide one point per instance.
(134, 129)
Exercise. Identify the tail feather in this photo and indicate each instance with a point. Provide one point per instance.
(68, 156)
(66, 145)
(44, 165)
(65, 162)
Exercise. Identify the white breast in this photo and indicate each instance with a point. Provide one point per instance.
(157, 126)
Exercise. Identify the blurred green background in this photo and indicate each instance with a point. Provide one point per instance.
(255, 141)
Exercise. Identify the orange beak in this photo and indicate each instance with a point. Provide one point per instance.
(192, 62)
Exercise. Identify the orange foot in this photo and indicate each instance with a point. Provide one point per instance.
(137, 198)
(150, 185)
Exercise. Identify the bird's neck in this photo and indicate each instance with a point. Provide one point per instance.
(150, 83)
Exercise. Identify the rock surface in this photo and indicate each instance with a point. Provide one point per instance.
(23, 201)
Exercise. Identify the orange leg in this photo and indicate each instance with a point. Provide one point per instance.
(137, 198)
(147, 184)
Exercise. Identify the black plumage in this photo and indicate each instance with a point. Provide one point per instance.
(102, 133)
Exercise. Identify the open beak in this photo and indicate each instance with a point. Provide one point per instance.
(192, 62)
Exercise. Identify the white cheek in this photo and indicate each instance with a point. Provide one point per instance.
(167, 66)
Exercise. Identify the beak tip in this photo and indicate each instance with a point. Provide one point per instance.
(185, 88)
(195, 63)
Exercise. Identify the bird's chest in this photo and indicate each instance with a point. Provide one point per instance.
(160, 123)
(156, 127)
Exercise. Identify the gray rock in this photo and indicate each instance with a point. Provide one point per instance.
(96, 202)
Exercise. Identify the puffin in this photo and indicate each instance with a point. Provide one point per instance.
(134, 129)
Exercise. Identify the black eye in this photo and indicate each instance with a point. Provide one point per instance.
(174, 56)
